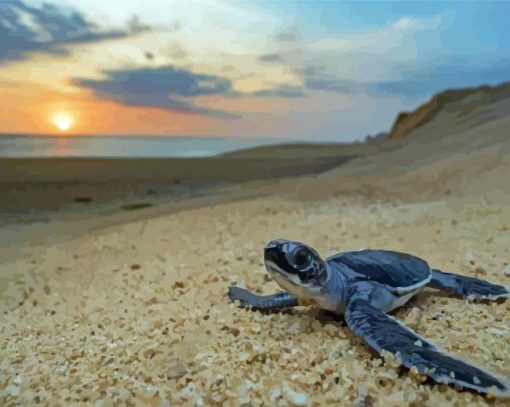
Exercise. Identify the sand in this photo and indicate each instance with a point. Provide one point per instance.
(136, 313)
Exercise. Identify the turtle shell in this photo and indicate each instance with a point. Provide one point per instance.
(400, 272)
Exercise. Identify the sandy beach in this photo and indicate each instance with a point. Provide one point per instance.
(134, 311)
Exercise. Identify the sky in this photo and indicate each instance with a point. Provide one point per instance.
(311, 70)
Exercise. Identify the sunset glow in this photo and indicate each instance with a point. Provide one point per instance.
(323, 70)
(63, 121)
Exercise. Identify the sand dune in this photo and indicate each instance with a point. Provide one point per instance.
(471, 106)
(137, 312)
(456, 151)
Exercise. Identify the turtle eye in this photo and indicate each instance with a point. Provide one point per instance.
(301, 258)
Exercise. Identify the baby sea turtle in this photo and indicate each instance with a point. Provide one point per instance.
(365, 285)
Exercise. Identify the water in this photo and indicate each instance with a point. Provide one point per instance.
(143, 146)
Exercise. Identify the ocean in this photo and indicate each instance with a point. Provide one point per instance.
(126, 146)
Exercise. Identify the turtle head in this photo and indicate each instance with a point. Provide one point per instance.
(296, 267)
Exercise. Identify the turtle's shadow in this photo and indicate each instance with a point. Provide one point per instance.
(327, 317)
(431, 293)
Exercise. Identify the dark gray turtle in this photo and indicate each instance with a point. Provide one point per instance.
(363, 286)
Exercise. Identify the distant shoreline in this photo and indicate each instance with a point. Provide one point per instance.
(64, 146)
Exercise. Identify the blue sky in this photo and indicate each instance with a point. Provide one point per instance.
(319, 70)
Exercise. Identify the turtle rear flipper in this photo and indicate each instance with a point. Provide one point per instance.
(382, 332)
(262, 302)
(468, 287)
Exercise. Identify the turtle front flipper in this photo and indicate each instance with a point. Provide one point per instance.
(262, 302)
(468, 287)
(382, 332)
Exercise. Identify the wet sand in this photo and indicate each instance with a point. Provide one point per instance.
(28, 184)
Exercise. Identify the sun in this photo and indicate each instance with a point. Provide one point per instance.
(63, 121)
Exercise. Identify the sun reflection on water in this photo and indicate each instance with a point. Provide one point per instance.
(63, 147)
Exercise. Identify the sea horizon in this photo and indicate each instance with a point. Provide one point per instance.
(108, 146)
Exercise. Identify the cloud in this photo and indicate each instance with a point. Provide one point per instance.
(393, 59)
(405, 57)
(396, 37)
(317, 78)
(271, 58)
(164, 87)
(137, 26)
(379, 55)
(411, 88)
(351, 63)
(449, 75)
(286, 91)
(176, 51)
(288, 35)
(49, 29)
(414, 82)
